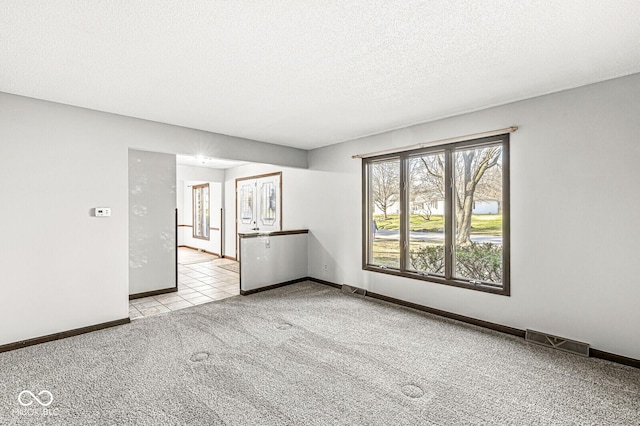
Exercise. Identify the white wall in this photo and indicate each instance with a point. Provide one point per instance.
(574, 266)
(296, 191)
(201, 174)
(61, 268)
(272, 259)
(152, 221)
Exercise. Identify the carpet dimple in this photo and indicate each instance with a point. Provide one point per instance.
(412, 391)
(284, 326)
(199, 356)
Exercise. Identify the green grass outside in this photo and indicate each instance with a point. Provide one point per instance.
(387, 252)
(480, 223)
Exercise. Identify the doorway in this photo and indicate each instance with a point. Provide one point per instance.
(202, 278)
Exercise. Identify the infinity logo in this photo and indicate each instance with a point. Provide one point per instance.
(34, 397)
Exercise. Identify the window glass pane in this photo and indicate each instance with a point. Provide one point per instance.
(205, 211)
(197, 209)
(384, 211)
(426, 214)
(478, 213)
(246, 194)
(201, 211)
(268, 201)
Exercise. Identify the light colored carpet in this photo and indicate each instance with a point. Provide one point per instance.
(307, 354)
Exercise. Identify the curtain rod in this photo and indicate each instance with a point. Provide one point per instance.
(438, 142)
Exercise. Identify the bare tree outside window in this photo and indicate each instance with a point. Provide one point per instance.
(442, 213)
(426, 186)
(385, 195)
(384, 181)
(471, 165)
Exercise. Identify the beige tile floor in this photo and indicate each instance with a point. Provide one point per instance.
(197, 283)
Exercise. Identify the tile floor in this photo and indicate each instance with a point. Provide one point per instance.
(197, 283)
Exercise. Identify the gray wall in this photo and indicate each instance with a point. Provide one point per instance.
(574, 216)
(152, 217)
(574, 162)
(61, 267)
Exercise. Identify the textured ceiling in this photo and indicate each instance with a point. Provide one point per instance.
(309, 73)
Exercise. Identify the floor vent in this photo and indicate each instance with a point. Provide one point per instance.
(353, 290)
(578, 348)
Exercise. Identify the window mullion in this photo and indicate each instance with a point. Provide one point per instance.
(404, 213)
(367, 207)
(449, 213)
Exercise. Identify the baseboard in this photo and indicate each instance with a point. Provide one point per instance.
(298, 280)
(319, 281)
(230, 258)
(271, 287)
(486, 324)
(199, 249)
(62, 335)
(607, 356)
(152, 293)
(593, 353)
(451, 315)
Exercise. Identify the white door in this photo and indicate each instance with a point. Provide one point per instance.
(259, 204)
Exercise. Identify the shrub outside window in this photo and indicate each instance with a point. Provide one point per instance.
(440, 214)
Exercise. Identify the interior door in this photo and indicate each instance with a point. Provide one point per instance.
(259, 204)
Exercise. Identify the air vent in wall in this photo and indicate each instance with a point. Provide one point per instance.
(353, 290)
(578, 348)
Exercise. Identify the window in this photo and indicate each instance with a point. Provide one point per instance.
(268, 203)
(440, 214)
(201, 211)
(246, 203)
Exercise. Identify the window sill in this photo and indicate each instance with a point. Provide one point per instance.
(487, 288)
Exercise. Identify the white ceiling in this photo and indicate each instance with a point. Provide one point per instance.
(309, 73)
